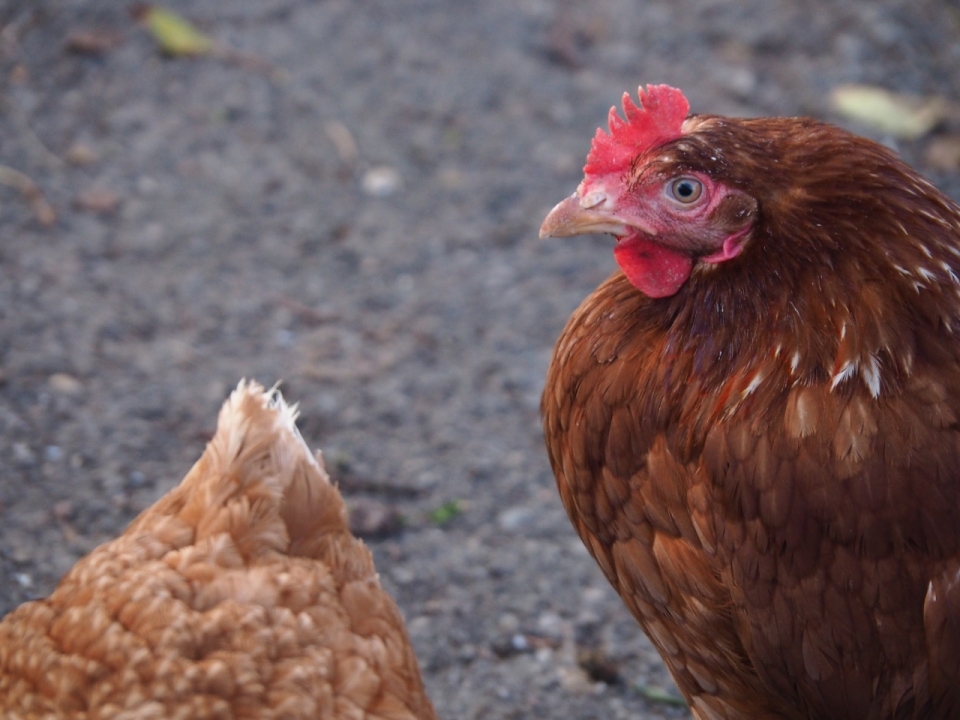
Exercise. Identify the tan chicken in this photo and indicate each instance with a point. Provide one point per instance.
(240, 594)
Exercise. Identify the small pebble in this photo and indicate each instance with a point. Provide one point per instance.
(550, 624)
(52, 453)
(508, 622)
(23, 580)
(593, 595)
(574, 680)
(20, 553)
(343, 140)
(371, 518)
(451, 178)
(19, 75)
(543, 655)
(419, 625)
(97, 200)
(403, 575)
(65, 384)
(285, 338)
(943, 153)
(22, 454)
(146, 185)
(95, 42)
(380, 181)
(515, 518)
(741, 81)
(62, 509)
(519, 642)
(136, 479)
(81, 154)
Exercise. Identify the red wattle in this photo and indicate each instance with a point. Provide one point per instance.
(653, 269)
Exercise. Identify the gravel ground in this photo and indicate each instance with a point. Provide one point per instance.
(348, 201)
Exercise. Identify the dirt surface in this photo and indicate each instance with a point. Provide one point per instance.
(348, 201)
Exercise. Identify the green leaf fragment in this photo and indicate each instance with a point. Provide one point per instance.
(446, 512)
(175, 35)
(659, 695)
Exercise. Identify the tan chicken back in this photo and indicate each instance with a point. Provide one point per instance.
(241, 593)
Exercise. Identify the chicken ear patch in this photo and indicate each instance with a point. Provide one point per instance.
(659, 118)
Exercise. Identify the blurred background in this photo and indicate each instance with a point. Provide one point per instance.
(345, 195)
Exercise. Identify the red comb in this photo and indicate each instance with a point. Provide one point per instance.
(658, 119)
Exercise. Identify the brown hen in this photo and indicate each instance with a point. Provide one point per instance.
(754, 425)
(240, 594)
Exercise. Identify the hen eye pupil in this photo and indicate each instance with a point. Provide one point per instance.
(686, 190)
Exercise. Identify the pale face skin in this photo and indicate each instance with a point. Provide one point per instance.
(664, 222)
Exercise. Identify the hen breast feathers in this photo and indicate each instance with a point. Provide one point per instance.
(765, 460)
(241, 593)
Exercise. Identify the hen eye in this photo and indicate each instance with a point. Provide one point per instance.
(686, 189)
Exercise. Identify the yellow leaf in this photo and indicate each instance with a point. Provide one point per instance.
(175, 35)
(903, 116)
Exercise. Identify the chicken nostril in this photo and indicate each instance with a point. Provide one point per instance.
(591, 200)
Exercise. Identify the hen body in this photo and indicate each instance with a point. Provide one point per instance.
(765, 462)
(240, 594)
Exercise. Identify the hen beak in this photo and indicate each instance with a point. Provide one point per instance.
(582, 215)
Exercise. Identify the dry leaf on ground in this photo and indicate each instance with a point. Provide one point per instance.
(906, 117)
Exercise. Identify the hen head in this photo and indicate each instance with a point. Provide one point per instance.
(641, 185)
(780, 231)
